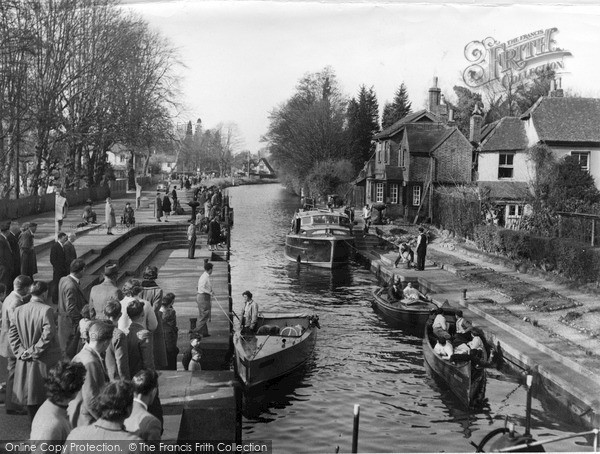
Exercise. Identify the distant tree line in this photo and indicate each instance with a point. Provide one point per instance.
(77, 77)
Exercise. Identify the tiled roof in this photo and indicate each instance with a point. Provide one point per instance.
(410, 118)
(508, 134)
(566, 119)
(505, 190)
(485, 131)
(423, 140)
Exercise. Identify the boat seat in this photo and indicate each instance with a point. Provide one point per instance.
(272, 330)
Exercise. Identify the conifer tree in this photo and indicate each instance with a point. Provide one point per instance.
(363, 122)
(397, 109)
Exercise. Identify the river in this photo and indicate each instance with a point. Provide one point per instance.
(359, 359)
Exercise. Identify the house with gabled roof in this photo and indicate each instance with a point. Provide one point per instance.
(412, 156)
(568, 126)
(262, 169)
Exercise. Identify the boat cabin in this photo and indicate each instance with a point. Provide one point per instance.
(322, 223)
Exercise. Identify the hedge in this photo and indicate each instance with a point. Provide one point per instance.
(569, 258)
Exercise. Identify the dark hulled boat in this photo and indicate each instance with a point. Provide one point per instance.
(465, 378)
(405, 313)
(320, 238)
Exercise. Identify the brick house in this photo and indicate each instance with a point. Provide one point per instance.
(414, 155)
(568, 126)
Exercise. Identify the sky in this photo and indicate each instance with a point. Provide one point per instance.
(244, 58)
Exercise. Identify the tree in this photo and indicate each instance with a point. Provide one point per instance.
(330, 177)
(466, 102)
(308, 128)
(363, 122)
(399, 108)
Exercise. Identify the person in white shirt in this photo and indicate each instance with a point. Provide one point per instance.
(440, 326)
(443, 348)
(250, 316)
(412, 294)
(203, 299)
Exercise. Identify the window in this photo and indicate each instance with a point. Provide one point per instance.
(403, 157)
(416, 195)
(386, 159)
(505, 168)
(393, 193)
(379, 192)
(515, 211)
(583, 157)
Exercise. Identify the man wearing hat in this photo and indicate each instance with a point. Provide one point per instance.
(70, 302)
(6, 257)
(101, 294)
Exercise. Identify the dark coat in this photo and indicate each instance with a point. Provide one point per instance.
(6, 263)
(28, 255)
(13, 240)
(139, 349)
(70, 252)
(70, 303)
(58, 261)
(214, 232)
(166, 204)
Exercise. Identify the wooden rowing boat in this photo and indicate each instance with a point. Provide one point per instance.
(283, 342)
(404, 313)
(464, 378)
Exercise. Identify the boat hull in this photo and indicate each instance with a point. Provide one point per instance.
(263, 358)
(325, 252)
(464, 381)
(409, 316)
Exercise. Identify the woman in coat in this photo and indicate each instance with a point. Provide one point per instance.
(214, 234)
(28, 256)
(109, 212)
(158, 207)
(153, 293)
(166, 207)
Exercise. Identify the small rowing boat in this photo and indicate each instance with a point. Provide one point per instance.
(282, 343)
(412, 314)
(465, 378)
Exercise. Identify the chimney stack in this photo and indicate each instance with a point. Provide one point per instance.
(475, 125)
(451, 121)
(434, 97)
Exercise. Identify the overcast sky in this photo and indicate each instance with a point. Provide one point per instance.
(244, 58)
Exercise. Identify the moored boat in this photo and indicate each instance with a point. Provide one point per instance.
(465, 378)
(320, 237)
(409, 314)
(282, 343)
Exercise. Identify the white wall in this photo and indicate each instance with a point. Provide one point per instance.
(488, 167)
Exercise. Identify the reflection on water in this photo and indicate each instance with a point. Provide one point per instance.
(359, 358)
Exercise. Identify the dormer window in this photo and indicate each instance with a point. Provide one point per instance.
(506, 166)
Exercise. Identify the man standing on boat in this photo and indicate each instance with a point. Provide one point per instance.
(250, 316)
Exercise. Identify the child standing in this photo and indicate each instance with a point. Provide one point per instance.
(88, 314)
(169, 321)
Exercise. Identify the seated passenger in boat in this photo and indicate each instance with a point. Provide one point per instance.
(395, 290)
(463, 329)
(440, 326)
(412, 294)
(443, 348)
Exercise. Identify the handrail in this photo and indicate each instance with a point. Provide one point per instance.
(595, 432)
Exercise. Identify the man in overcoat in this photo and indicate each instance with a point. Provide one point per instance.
(60, 267)
(101, 294)
(26, 247)
(6, 257)
(16, 298)
(13, 239)
(69, 248)
(33, 340)
(70, 302)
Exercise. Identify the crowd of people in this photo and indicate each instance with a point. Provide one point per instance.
(465, 342)
(84, 368)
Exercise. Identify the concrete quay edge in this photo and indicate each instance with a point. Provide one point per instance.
(576, 396)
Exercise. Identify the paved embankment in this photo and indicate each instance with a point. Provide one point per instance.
(207, 395)
(522, 314)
